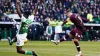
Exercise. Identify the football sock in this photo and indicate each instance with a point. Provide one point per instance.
(12, 41)
(34, 53)
(79, 52)
(29, 52)
(77, 46)
(64, 39)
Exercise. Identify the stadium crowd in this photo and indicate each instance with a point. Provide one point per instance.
(55, 10)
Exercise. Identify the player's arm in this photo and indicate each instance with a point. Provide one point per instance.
(85, 20)
(64, 23)
(35, 11)
(18, 8)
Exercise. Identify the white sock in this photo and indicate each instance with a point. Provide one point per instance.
(79, 52)
(64, 38)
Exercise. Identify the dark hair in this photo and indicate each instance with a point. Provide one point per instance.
(68, 10)
(27, 13)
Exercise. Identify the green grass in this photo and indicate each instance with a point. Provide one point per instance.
(46, 48)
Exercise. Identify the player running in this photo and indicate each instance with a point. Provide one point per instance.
(22, 34)
(76, 32)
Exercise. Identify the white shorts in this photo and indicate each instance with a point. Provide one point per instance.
(21, 38)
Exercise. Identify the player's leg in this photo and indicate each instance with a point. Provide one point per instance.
(49, 37)
(66, 37)
(69, 35)
(63, 39)
(77, 46)
(56, 36)
(21, 51)
(11, 41)
(77, 36)
(21, 40)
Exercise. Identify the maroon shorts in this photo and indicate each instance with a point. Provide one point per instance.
(76, 33)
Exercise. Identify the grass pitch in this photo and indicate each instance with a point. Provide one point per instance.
(46, 48)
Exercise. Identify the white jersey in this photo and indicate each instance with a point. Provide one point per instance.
(25, 24)
(21, 36)
(58, 29)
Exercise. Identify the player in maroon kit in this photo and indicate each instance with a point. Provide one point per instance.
(76, 32)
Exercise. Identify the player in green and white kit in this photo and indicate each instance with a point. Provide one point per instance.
(26, 20)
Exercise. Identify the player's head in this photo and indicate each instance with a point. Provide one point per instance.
(27, 13)
(69, 12)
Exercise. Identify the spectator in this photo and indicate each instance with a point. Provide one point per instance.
(97, 36)
(58, 31)
(0, 33)
(2, 18)
(67, 4)
(91, 34)
(90, 17)
(29, 36)
(42, 37)
(49, 32)
(14, 30)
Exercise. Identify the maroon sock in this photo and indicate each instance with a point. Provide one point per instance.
(77, 46)
(62, 39)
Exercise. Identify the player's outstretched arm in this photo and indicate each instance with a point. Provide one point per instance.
(36, 9)
(18, 8)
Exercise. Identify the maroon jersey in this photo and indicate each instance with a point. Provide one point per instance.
(77, 22)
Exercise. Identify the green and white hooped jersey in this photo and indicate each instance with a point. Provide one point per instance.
(25, 23)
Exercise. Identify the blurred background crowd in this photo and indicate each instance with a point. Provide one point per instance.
(51, 12)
